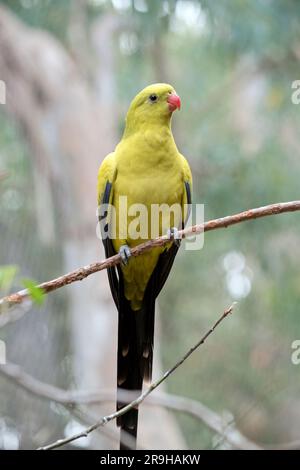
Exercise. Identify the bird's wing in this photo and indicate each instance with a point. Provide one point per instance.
(187, 195)
(106, 177)
(160, 275)
(106, 174)
(166, 259)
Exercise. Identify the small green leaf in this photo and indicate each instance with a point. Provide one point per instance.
(7, 276)
(36, 293)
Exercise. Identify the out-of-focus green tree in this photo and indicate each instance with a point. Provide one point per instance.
(233, 64)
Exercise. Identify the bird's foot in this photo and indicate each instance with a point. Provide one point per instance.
(125, 254)
(174, 235)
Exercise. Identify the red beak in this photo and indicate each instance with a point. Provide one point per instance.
(174, 102)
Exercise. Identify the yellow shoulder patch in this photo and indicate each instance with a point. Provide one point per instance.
(106, 173)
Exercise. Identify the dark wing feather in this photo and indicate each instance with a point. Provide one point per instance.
(130, 329)
(136, 329)
(167, 258)
(155, 285)
(108, 247)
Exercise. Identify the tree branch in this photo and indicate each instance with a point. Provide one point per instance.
(72, 398)
(81, 273)
(135, 403)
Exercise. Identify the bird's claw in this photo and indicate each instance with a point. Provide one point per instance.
(125, 254)
(173, 234)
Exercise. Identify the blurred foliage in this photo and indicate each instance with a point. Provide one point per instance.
(233, 64)
(35, 292)
(50, 15)
(7, 276)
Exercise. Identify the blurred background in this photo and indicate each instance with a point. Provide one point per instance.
(71, 69)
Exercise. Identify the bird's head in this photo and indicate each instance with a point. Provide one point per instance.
(153, 105)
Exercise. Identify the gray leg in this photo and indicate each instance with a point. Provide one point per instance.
(173, 234)
(125, 254)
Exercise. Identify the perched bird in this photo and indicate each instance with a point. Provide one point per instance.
(146, 168)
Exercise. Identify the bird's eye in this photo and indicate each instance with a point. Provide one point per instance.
(153, 98)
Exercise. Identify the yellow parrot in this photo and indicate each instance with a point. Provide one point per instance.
(147, 171)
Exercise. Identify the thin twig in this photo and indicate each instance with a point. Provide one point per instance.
(135, 403)
(70, 399)
(110, 433)
(81, 273)
(210, 418)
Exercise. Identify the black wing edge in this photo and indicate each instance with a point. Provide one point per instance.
(165, 262)
(109, 249)
(166, 259)
(189, 200)
(155, 285)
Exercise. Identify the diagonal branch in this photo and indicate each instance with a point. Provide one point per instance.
(70, 399)
(135, 403)
(81, 273)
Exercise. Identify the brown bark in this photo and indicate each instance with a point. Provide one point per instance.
(223, 222)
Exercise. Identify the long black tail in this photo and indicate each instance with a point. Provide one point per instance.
(136, 328)
(135, 356)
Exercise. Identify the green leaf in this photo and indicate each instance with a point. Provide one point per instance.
(7, 276)
(36, 293)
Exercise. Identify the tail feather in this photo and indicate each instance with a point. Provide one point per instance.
(135, 356)
(135, 340)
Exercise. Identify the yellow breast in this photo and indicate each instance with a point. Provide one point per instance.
(148, 193)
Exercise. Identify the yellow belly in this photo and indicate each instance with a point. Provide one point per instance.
(140, 223)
